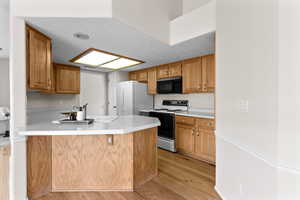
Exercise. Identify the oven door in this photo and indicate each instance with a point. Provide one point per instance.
(167, 127)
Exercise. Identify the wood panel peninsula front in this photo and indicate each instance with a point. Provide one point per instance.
(116, 156)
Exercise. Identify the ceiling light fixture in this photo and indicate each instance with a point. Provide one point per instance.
(103, 59)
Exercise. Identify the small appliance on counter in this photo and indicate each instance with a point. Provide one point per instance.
(4, 121)
(76, 116)
(166, 114)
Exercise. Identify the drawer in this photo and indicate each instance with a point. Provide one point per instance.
(206, 123)
(185, 120)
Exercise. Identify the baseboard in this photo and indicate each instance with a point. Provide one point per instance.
(219, 193)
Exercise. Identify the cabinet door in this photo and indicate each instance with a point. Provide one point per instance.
(163, 71)
(185, 138)
(175, 69)
(132, 76)
(152, 81)
(4, 172)
(142, 76)
(39, 58)
(67, 79)
(208, 73)
(205, 145)
(191, 76)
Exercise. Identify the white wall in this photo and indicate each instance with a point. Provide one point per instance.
(58, 8)
(57, 101)
(150, 17)
(196, 101)
(198, 22)
(247, 72)
(93, 86)
(289, 100)
(189, 5)
(18, 188)
(4, 82)
(4, 28)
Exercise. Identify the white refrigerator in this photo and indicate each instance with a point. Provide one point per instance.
(132, 97)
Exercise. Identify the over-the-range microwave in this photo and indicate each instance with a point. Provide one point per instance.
(169, 86)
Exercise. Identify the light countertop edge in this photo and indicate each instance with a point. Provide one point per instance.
(190, 114)
(4, 142)
(88, 132)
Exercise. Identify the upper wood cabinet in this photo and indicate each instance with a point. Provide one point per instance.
(142, 75)
(175, 69)
(133, 76)
(192, 76)
(163, 71)
(67, 79)
(208, 73)
(152, 78)
(198, 74)
(39, 61)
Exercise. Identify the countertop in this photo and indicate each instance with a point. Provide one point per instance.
(42, 124)
(190, 113)
(4, 141)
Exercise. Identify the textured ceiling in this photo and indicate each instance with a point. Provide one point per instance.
(113, 36)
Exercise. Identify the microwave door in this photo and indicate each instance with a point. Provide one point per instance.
(165, 87)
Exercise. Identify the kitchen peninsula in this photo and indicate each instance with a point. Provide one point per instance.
(113, 154)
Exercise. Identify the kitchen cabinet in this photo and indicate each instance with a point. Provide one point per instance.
(192, 75)
(175, 69)
(208, 73)
(163, 71)
(195, 138)
(152, 81)
(185, 138)
(142, 75)
(4, 172)
(198, 74)
(39, 61)
(133, 76)
(67, 79)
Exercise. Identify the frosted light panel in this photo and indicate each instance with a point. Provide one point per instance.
(95, 58)
(120, 63)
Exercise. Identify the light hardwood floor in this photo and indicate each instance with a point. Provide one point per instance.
(180, 178)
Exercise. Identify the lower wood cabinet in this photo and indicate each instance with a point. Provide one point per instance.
(90, 162)
(67, 79)
(205, 145)
(195, 137)
(185, 138)
(4, 172)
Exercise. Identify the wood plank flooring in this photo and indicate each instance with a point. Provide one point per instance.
(180, 178)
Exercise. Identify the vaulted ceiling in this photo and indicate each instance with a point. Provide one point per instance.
(116, 37)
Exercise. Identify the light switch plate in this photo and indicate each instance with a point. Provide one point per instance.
(244, 106)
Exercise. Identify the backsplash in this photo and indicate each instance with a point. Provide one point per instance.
(196, 101)
(39, 100)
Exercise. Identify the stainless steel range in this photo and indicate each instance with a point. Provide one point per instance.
(166, 114)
